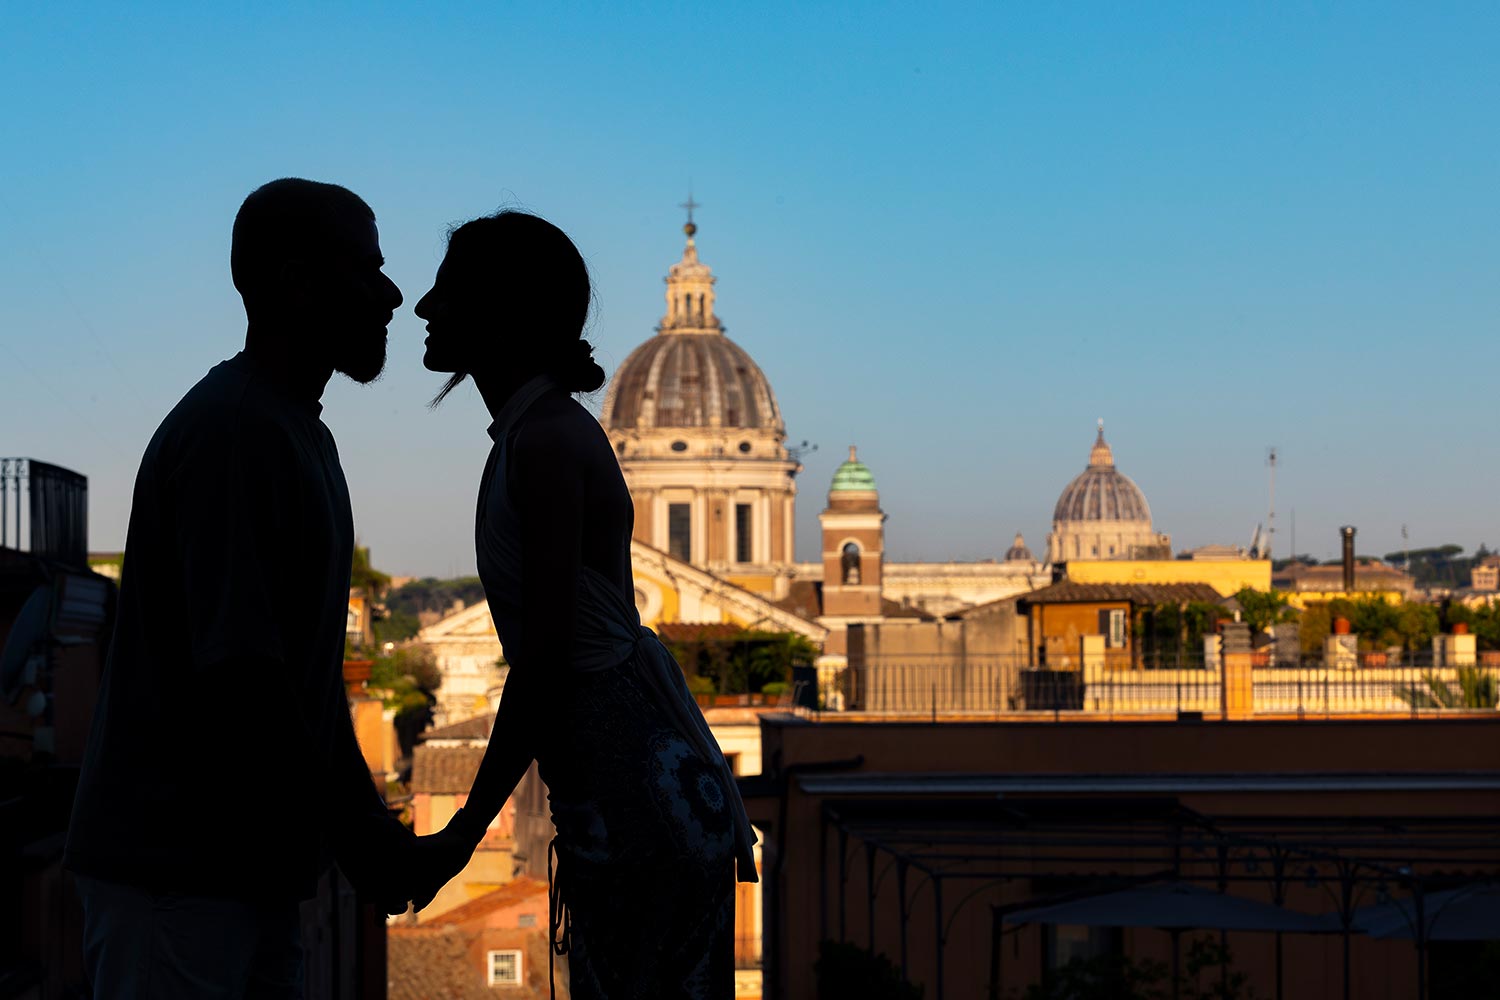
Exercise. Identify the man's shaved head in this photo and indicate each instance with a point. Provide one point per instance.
(286, 219)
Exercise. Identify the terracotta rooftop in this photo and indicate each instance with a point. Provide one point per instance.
(804, 599)
(1331, 577)
(518, 890)
(477, 728)
(1070, 592)
(444, 770)
(698, 631)
(895, 609)
(431, 963)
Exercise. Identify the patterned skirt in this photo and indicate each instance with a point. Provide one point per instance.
(643, 891)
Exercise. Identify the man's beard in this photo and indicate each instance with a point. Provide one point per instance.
(363, 362)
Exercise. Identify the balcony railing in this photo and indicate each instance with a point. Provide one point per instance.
(995, 685)
(44, 510)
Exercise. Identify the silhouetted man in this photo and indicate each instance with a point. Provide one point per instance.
(222, 770)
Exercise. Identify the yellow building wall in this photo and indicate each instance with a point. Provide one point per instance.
(671, 610)
(1300, 599)
(756, 583)
(671, 604)
(377, 737)
(1227, 576)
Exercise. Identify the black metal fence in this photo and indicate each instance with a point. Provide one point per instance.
(1004, 684)
(44, 510)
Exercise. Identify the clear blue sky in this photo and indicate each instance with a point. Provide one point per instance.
(953, 237)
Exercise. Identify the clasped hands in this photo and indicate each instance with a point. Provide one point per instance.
(425, 864)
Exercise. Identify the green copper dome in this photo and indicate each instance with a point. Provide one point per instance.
(852, 475)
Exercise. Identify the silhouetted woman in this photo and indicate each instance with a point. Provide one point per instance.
(649, 822)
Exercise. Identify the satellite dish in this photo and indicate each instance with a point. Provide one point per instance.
(30, 628)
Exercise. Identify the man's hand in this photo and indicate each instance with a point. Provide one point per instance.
(377, 861)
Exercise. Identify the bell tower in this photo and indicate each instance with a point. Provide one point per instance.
(853, 544)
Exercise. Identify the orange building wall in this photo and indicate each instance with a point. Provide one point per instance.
(1058, 627)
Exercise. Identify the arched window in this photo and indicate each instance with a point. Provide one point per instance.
(850, 564)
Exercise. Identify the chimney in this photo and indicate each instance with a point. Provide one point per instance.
(1348, 532)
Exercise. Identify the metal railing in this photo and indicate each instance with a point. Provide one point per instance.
(44, 510)
(929, 686)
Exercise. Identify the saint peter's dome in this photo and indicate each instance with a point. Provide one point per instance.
(1103, 515)
(1102, 492)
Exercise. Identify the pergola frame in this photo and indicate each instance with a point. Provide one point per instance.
(1104, 843)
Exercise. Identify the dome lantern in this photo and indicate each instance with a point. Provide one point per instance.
(1100, 453)
(690, 288)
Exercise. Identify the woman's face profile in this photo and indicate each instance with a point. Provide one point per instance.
(455, 311)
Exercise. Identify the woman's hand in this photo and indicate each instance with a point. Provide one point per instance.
(438, 857)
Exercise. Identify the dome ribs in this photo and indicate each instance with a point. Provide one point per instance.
(690, 380)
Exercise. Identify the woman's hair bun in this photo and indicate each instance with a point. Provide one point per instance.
(578, 371)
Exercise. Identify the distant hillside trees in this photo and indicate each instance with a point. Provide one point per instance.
(1439, 566)
(416, 602)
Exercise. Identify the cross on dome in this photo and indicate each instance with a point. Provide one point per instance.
(690, 288)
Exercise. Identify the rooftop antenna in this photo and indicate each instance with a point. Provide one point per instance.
(798, 451)
(1271, 515)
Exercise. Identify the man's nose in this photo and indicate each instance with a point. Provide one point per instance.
(394, 293)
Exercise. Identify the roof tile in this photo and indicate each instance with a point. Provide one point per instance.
(445, 770)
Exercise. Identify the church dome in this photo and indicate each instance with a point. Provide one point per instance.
(1018, 552)
(1101, 492)
(852, 476)
(690, 380)
(690, 374)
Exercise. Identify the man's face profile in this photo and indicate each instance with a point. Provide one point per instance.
(306, 257)
(354, 302)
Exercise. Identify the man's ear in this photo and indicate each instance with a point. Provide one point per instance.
(294, 279)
